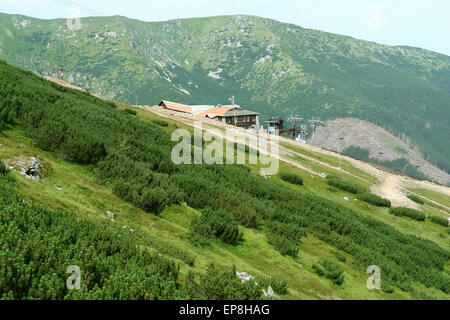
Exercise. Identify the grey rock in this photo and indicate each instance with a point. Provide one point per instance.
(110, 214)
(244, 276)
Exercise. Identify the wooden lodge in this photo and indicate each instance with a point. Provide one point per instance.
(232, 115)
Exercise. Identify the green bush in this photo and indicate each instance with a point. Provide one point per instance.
(169, 249)
(330, 271)
(387, 288)
(374, 199)
(112, 104)
(341, 257)
(3, 169)
(83, 151)
(123, 190)
(291, 178)
(284, 245)
(415, 199)
(154, 197)
(362, 193)
(290, 231)
(219, 284)
(130, 111)
(344, 185)
(160, 123)
(217, 224)
(407, 212)
(153, 200)
(278, 286)
(332, 189)
(439, 220)
(246, 217)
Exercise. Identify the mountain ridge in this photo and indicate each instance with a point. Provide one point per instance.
(230, 16)
(271, 67)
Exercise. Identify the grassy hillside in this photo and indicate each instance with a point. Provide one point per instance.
(271, 67)
(98, 158)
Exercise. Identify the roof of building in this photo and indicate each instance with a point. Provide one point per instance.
(240, 112)
(176, 106)
(216, 112)
(208, 111)
(196, 110)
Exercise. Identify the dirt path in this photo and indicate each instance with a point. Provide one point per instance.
(390, 186)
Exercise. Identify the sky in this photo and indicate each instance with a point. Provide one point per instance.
(417, 23)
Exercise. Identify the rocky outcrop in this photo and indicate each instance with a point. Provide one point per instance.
(31, 168)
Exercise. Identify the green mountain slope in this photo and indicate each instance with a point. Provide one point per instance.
(271, 67)
(98, 158)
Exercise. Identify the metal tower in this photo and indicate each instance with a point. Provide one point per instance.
(303, 126)
(315, 122)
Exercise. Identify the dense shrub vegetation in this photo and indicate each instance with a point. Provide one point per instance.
(439, 220)
(217, 224)
(152, 193)
(169, 249)
(415, 199)
(291, 178)
(407, 212)
(284, 245)
(374, 199)
(278, 286)
(161, 123)
(330, 271)
(217, 284)
(290, 231)
(130, 111)
(38, 245)
(344, 185)
(362, 193)
(133, 157)
(3, 169)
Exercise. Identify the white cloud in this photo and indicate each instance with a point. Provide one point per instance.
(375, 19)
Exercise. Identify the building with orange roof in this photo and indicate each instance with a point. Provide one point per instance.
(232, 115)
(174, 106)
(212, 113)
